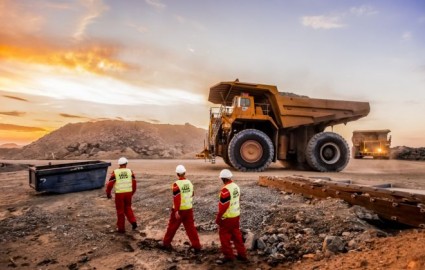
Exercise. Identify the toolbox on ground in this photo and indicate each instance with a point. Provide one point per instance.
(68, 177)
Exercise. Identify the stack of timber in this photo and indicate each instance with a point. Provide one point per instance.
(406, 206)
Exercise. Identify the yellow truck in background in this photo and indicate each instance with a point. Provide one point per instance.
(256, 124)
(371, 143)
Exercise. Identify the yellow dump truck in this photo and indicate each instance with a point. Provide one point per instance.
(256, 124)
(371, 143)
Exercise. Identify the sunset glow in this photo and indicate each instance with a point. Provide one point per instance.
(75, 61)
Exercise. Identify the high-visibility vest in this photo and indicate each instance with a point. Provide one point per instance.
(123, 180)
(186, 194)
(234, 208)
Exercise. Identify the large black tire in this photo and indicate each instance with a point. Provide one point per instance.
(225, 158)
(327, 152)
(250, 150)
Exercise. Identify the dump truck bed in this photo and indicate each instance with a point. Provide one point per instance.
(292, 110)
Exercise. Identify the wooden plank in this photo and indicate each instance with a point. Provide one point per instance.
(393, 209)
(393, 195)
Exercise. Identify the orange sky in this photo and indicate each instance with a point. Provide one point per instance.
(75, 61)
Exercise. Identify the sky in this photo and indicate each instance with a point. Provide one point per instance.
(154, 60)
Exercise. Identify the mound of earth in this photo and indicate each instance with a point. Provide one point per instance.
(408, 153)
(9, 145)
(112, 139)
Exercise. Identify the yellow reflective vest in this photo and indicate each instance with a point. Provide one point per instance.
(186, 194)
(234, 208)
(123, 180)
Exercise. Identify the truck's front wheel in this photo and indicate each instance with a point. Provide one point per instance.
(250, 150)
(327, 152)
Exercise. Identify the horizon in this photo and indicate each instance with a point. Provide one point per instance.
(80, 61)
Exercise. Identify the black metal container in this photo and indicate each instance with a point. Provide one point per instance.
(68, 177)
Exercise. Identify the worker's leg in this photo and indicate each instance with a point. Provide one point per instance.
(119, 205)
(173, 225)
(237, 238)
(189, 226)
(127, 207)
(225, 237)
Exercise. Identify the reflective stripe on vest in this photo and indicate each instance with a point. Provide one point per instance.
(123, 180)
(186, 194)
(234, 209)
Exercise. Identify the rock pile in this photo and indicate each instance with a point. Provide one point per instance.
(408, 153)
(314, 229)
(112, 139)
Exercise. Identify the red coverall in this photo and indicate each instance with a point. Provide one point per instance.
(122, 202)
(186, 217)
(229, 228)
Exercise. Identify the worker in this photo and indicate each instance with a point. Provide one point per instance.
(228, 220)
(182, 212)
(123, 181)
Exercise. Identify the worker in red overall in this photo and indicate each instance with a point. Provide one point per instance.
(228, 220)
(182, 211)
(123, 181)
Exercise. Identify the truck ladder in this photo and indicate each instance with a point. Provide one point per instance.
(216, 125)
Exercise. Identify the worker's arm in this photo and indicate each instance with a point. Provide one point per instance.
(110, 185)
(133, 182)
(176, 197)
(223, 205)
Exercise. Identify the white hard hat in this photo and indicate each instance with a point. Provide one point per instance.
(122, 161)
(180, 169)
(226, 174)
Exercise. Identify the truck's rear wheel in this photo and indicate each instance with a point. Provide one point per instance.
(327, 152)
(250, 150)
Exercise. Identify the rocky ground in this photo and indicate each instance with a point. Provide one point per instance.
(282, 230)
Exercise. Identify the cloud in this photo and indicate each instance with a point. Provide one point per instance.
(139, 28)
(196, 25)
(406, 36)
(11, 127)
(156, 4)
(58, 6)
(363, 10)
(16, 19)
(17, 98)
(322, 22)
(98, 59)
(72, 116)
(13, 113)
(95, 8)
(154, 121)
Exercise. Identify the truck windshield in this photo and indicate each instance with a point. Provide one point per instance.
(245, 102)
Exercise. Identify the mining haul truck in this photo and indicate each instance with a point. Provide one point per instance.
(371, 143)
(256, 125)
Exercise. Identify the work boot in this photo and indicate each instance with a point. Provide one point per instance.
(134, 225)
(164, 247)
(195, 250)
(242, 259)
(224, 260)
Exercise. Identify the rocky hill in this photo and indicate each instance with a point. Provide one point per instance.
(9, 145)
(113, 139)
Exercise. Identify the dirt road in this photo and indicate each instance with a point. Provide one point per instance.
(77, 230)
